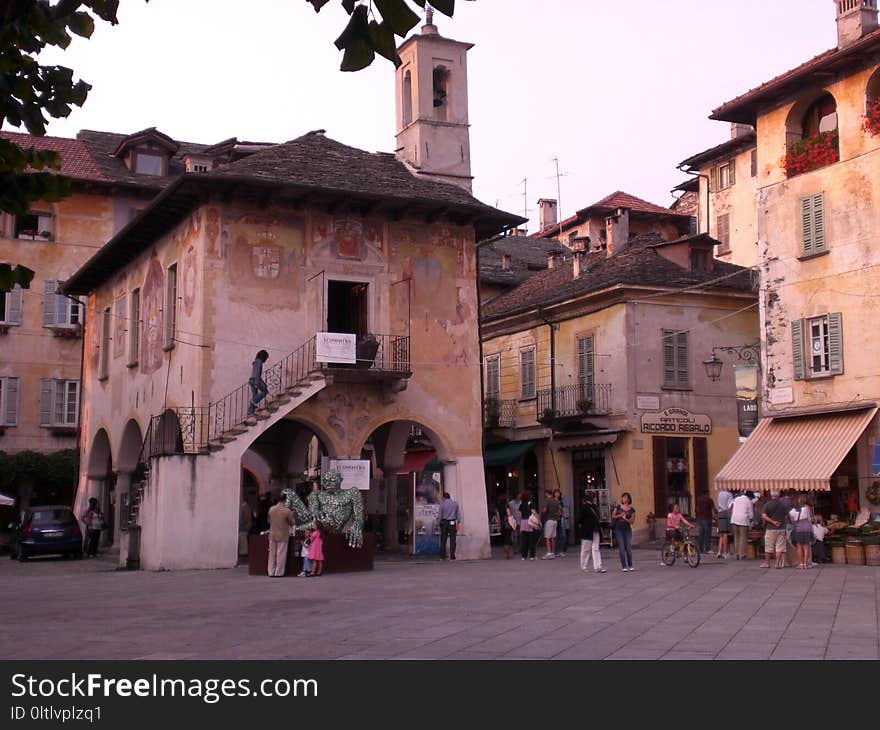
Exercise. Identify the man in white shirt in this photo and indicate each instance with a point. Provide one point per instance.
(725, 501)
(741, 516)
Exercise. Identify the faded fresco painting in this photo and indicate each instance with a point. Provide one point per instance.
(346, 239)
(212, 234)
(190, 274)
(119, 326)
(152, 320)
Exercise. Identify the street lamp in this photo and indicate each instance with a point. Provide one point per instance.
(749, 354)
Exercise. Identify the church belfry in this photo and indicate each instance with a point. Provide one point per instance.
(432, 106)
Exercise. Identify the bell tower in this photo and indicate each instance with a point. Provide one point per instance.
(432, 106)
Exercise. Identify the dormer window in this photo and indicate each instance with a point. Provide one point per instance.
(149, 163)
(701, 260)
(147, 152)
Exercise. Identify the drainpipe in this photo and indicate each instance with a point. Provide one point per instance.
(82, 365)
(708, 191)
(552, 358)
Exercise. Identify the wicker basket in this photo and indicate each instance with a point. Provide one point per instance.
(838, 554)
(855, 553)
(872, 555)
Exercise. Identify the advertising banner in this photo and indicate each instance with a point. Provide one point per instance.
(355, 472)
(339, 347)
(426, 512)
(746, 398)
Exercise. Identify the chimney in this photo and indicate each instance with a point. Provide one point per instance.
(579, 264)
(740, 130)
(855, 18)
(546, 213)
(580, 243)
(617, 231)
(505, 261)
(551, 259)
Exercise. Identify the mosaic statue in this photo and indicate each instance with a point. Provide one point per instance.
(336, 510)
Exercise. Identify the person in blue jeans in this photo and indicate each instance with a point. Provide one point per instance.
(256, 382)
(622, 517)
(560, 547)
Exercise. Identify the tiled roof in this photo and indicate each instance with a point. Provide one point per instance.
(317, 161)
(76, 159)
(620, 199)
(639, 264)
(743, 108)
(528, 254)
(725, 149)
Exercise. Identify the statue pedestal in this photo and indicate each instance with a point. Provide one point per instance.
(338, 556)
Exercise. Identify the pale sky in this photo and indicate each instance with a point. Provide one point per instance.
(619, 91)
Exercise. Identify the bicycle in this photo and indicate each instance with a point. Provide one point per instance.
(683, 547)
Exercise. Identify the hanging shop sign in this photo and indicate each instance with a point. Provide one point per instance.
(355, 472)
(339, 347)
(676, 421)
(746, 415)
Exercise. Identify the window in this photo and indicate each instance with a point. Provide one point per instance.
(406, 98)
(754, 160)
(104, 354)
(10, 306)
(701, 260)
(134, 327)
(676, 371)
(722, 232)
(527, 373)
(817, 346)
(8, 401)
(441, 93)
(586, 364)
(199, 168)
(59, 403)
(60, 310)
(148, 164)
(813, 225)
(493, 377)
(34, 226)
(723, 176)
(170, 307)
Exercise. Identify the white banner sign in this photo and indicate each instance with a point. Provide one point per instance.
(355, 472)
(336, 347)
(676, 421)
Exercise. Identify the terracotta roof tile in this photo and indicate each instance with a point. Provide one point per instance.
(76, 159)
(621, 199)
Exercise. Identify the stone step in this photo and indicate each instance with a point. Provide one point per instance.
(250, 421)
(295, 392)
(227, 437)
(237, 430)
(262, 414)
(281, 399)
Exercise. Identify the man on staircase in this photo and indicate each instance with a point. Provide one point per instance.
(256, 382)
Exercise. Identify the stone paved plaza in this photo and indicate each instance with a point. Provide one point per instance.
(493, 609)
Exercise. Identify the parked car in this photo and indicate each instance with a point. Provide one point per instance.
(48, 530)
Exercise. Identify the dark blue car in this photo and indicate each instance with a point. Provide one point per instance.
(48, 530)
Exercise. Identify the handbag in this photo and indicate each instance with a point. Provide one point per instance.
(535, 522)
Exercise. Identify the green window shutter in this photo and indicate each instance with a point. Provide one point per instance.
(586, 367)
(58, 404)
(732, 168)
(13, 306)
(682, 366)
(493, 385)
(668, 358)
(11, 385)
(49, 304)
(807, 226)
(47, 389)
(527, 374)
(797, 349)
(835, 343)
(818, 223)
(713, 179)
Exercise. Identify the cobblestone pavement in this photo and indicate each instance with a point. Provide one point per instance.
(419, 609)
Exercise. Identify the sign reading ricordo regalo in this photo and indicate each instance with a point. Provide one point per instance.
(336, 347)
(676, 421)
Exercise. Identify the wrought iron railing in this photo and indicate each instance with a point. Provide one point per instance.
(196, 427)
(499, 413)
(585, 399)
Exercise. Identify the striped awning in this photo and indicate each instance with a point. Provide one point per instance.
(794, 452)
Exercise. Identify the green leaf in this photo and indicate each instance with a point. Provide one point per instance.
(10, 276)
(447, 7)
(358, 55)
(398, 15)
(348, 6)
(382, 41)
(81, 24)
(318, 4)
(356, 32)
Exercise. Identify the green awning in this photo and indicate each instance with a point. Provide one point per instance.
(506, 454)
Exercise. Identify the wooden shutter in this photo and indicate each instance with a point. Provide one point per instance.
(62, 307)
(49, 305)
(527, 374)
(818, 223)
(713, 179)
(835, 343)
(13, 306)
(732, 171)
(754, 162)
(59, 402)
(47, 390)
(660, 476)
(11, 387)
(797, 349)
(682, 360)
(701, 465)
(586, 367)
(493, 377)
(668, 357)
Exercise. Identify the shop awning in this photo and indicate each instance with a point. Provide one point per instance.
(591, 442)
(416, 461)
(506, 454)
(794, 453)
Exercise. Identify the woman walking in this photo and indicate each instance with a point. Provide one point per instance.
(622, 517)
(528, 514)
(802, 536)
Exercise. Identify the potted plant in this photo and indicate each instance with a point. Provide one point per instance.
(871, 120)
(811, 153)
(549, 414)
(584, 405)
(366, 349)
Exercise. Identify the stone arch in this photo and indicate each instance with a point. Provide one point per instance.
(101, 483)
(398, 433)
(812, 113)
(406, 99)
(100, 458)
(167, 437)
(872, 89)
(130, 447)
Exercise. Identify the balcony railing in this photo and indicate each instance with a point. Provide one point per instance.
(499, 413)
(589, 399)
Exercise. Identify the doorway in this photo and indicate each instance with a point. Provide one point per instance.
(348, 307)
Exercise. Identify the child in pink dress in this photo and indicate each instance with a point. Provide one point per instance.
(316, 551)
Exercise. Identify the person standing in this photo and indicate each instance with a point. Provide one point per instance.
(528, 517)
(705, 514)
(588, 529)
(560, 549)
(259, 390)
(741, 516)
(245, 522)
(622, 517)
(802, 535)
(820, 555)
(280, 520)
(725, 500)
(550, 513)
(316, 551)
(514, 504)
(508, 526)
(774, 516)
(93, 519)
(450, 516)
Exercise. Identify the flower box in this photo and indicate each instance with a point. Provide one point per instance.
(584, 405)
(72, 333)
(871, 120)
(811, 153)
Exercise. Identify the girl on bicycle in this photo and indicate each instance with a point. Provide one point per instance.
(674, 521)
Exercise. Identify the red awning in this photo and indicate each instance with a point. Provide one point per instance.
(416, 460)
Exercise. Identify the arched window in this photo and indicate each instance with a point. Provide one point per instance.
(406, 94)
(871, 122)
(811, 134)
(441, 93)
(821, 116)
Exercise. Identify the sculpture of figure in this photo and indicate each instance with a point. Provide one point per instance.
(336, 510)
